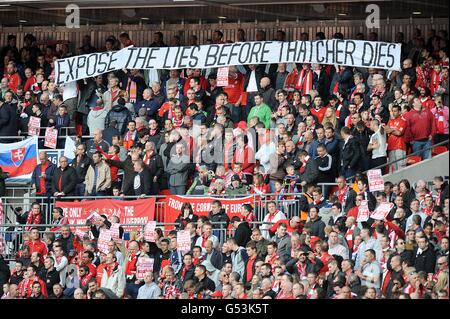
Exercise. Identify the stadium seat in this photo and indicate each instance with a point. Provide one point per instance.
(413, 160)
(439, 150)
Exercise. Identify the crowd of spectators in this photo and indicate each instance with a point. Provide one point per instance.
(275, 131)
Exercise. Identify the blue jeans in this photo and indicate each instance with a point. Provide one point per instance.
(348, 172)
(132, 289)
(418, 146)
(178, 190)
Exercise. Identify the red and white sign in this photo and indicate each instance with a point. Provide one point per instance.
(34, 125)
(376, 182)
(103, 239)
(149, 231)
(382, 211)
(115, 232)
(183, 241)
(79, 233)
(143, 266)
(129, 211)
(94, 217)
(222, 77)
(51, 137)
(363, 211)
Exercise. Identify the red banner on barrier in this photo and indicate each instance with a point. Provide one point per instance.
(139, 211)
(202, 205)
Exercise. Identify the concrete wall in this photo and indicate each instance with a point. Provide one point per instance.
(426, 170)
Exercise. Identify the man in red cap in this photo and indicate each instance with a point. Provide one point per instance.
(216, 295)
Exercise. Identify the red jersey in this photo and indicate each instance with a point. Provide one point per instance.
(320, 113)
(397, 142)
(234, 89)
(14, 81)
(38, 246)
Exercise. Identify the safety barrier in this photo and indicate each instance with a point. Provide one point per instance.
(16, 235)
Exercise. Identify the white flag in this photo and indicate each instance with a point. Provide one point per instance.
(70, 148)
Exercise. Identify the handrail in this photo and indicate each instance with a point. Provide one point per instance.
(403, 158)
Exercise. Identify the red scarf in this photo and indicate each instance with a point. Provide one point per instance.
(440, 120)
(302, 169)
(147, 157)
(32, 221)
(435, 81)
(111, 268)
(341, 194)
(204, 240)
(183, 272)
(132, 90)
(304, 82)
(85, 279)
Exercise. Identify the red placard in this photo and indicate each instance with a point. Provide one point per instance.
(34, 125)
(143, 266)
(149, 231)
(222, 77)
(51, 137)
(382, 211)
(115, 233)
(183, 241)
(103, 239)
(376, 181)
(363, 211)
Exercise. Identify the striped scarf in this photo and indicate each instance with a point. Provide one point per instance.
(304, 82)
(132, 90)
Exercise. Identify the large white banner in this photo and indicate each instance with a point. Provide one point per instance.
(357, 53)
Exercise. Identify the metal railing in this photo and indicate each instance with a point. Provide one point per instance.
(16, 235)
(405, 158)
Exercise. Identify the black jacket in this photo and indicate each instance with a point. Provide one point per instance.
(325, 166)
(351, 154)
(9, 120)
(4, 271)
(311, 172)
(145, 187)
(128, 177)
(51, 278)
(121, 114)
(204, 284)
(317, 227)
(81, 168)
(68, 182)
(243, 234)
(219, 217)
(155, 168)
(247, 284)
(291, 266)
(188, 275)
(426, 261)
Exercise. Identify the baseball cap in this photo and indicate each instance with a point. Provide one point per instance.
(217, 294)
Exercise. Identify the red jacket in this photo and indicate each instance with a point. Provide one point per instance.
(30, 81)
(245, 156)
(39, 247)
(420, 125)
(14, 81)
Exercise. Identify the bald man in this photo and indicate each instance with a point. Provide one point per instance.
(64, 179)
(95, 143)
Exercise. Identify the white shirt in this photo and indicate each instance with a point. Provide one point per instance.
(252, 85)
(381, 150)
(264, 153)
(279, 215)
(69, 90)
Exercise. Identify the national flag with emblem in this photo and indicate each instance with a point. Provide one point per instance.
(19, 159)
